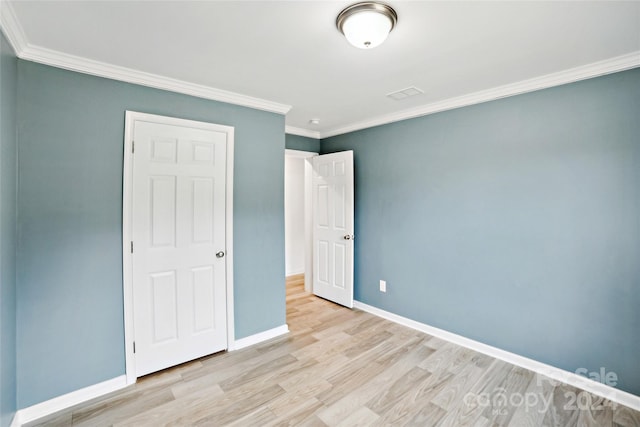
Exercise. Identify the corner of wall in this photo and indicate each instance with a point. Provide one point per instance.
(8, 230)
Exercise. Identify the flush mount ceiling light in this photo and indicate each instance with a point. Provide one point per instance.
(367, 24)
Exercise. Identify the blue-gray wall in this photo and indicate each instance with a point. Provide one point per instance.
(69, 298)
(8, 206)
(302, 143)
(514, 222)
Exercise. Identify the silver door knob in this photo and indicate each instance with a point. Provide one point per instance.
(348, 237)
(220, 254)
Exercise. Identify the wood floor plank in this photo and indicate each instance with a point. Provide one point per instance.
(561, 412)
(121, 410)
(312, 421)
(341, 318)
(469, 409)
(446, 357)
(360, 418)
(362, 345)
(342, 367)
(291, 402)
(257, 372)
(625, 417)
(404, 407)
(389, 396)
(426, 415)
(402, 346)
(343, 407)
(186, 388)
(536, 398)
(369, 325)
(324, 347)
(224, 362)
(195, 402)
(304, 412)
(451, 397)
(348, 380)
(236, 410)
(436, 343)
(513, 388)
(594, 412)
(260, 417)
(313, 375)
(290, 342)
(60, 419)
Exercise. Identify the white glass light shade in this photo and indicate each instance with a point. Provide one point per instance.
(367, 29)
(366, 24)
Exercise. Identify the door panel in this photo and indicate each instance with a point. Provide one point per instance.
(202, 202)
(203, 292)
(179, 288)
(163, 298)
(339, 261)
(163, 212)
(333, 227)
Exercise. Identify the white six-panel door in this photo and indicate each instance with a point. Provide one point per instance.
(178, 230)
(333, 227)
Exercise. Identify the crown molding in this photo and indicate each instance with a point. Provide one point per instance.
(24, 50)
(608, 66)
(15, 34)
(102, 69)
(302, 132)
(11, 27)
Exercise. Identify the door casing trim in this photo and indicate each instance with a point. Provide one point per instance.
(127, 209)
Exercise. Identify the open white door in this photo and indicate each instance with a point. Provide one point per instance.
(178, 242)
(333, 232)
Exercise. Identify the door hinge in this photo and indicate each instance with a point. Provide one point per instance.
(132, 246)
(134, 346)
(133, 147)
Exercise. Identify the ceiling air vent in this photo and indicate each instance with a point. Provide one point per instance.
(405, 93)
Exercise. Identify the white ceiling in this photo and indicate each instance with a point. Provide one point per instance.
(290, 52)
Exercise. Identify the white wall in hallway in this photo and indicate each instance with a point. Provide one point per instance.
(294, 215)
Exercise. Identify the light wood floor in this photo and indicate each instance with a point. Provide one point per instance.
(341, 367)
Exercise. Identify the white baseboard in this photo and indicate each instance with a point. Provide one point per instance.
(556, 374)
(49, 407)
(294, 272)
(259, 337)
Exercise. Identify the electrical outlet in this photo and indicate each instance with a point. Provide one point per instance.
(383, 286)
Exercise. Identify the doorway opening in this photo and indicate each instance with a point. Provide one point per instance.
(319, 223)
(298, 215)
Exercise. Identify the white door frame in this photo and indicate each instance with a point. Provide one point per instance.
(308, 214)
(127, 209)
